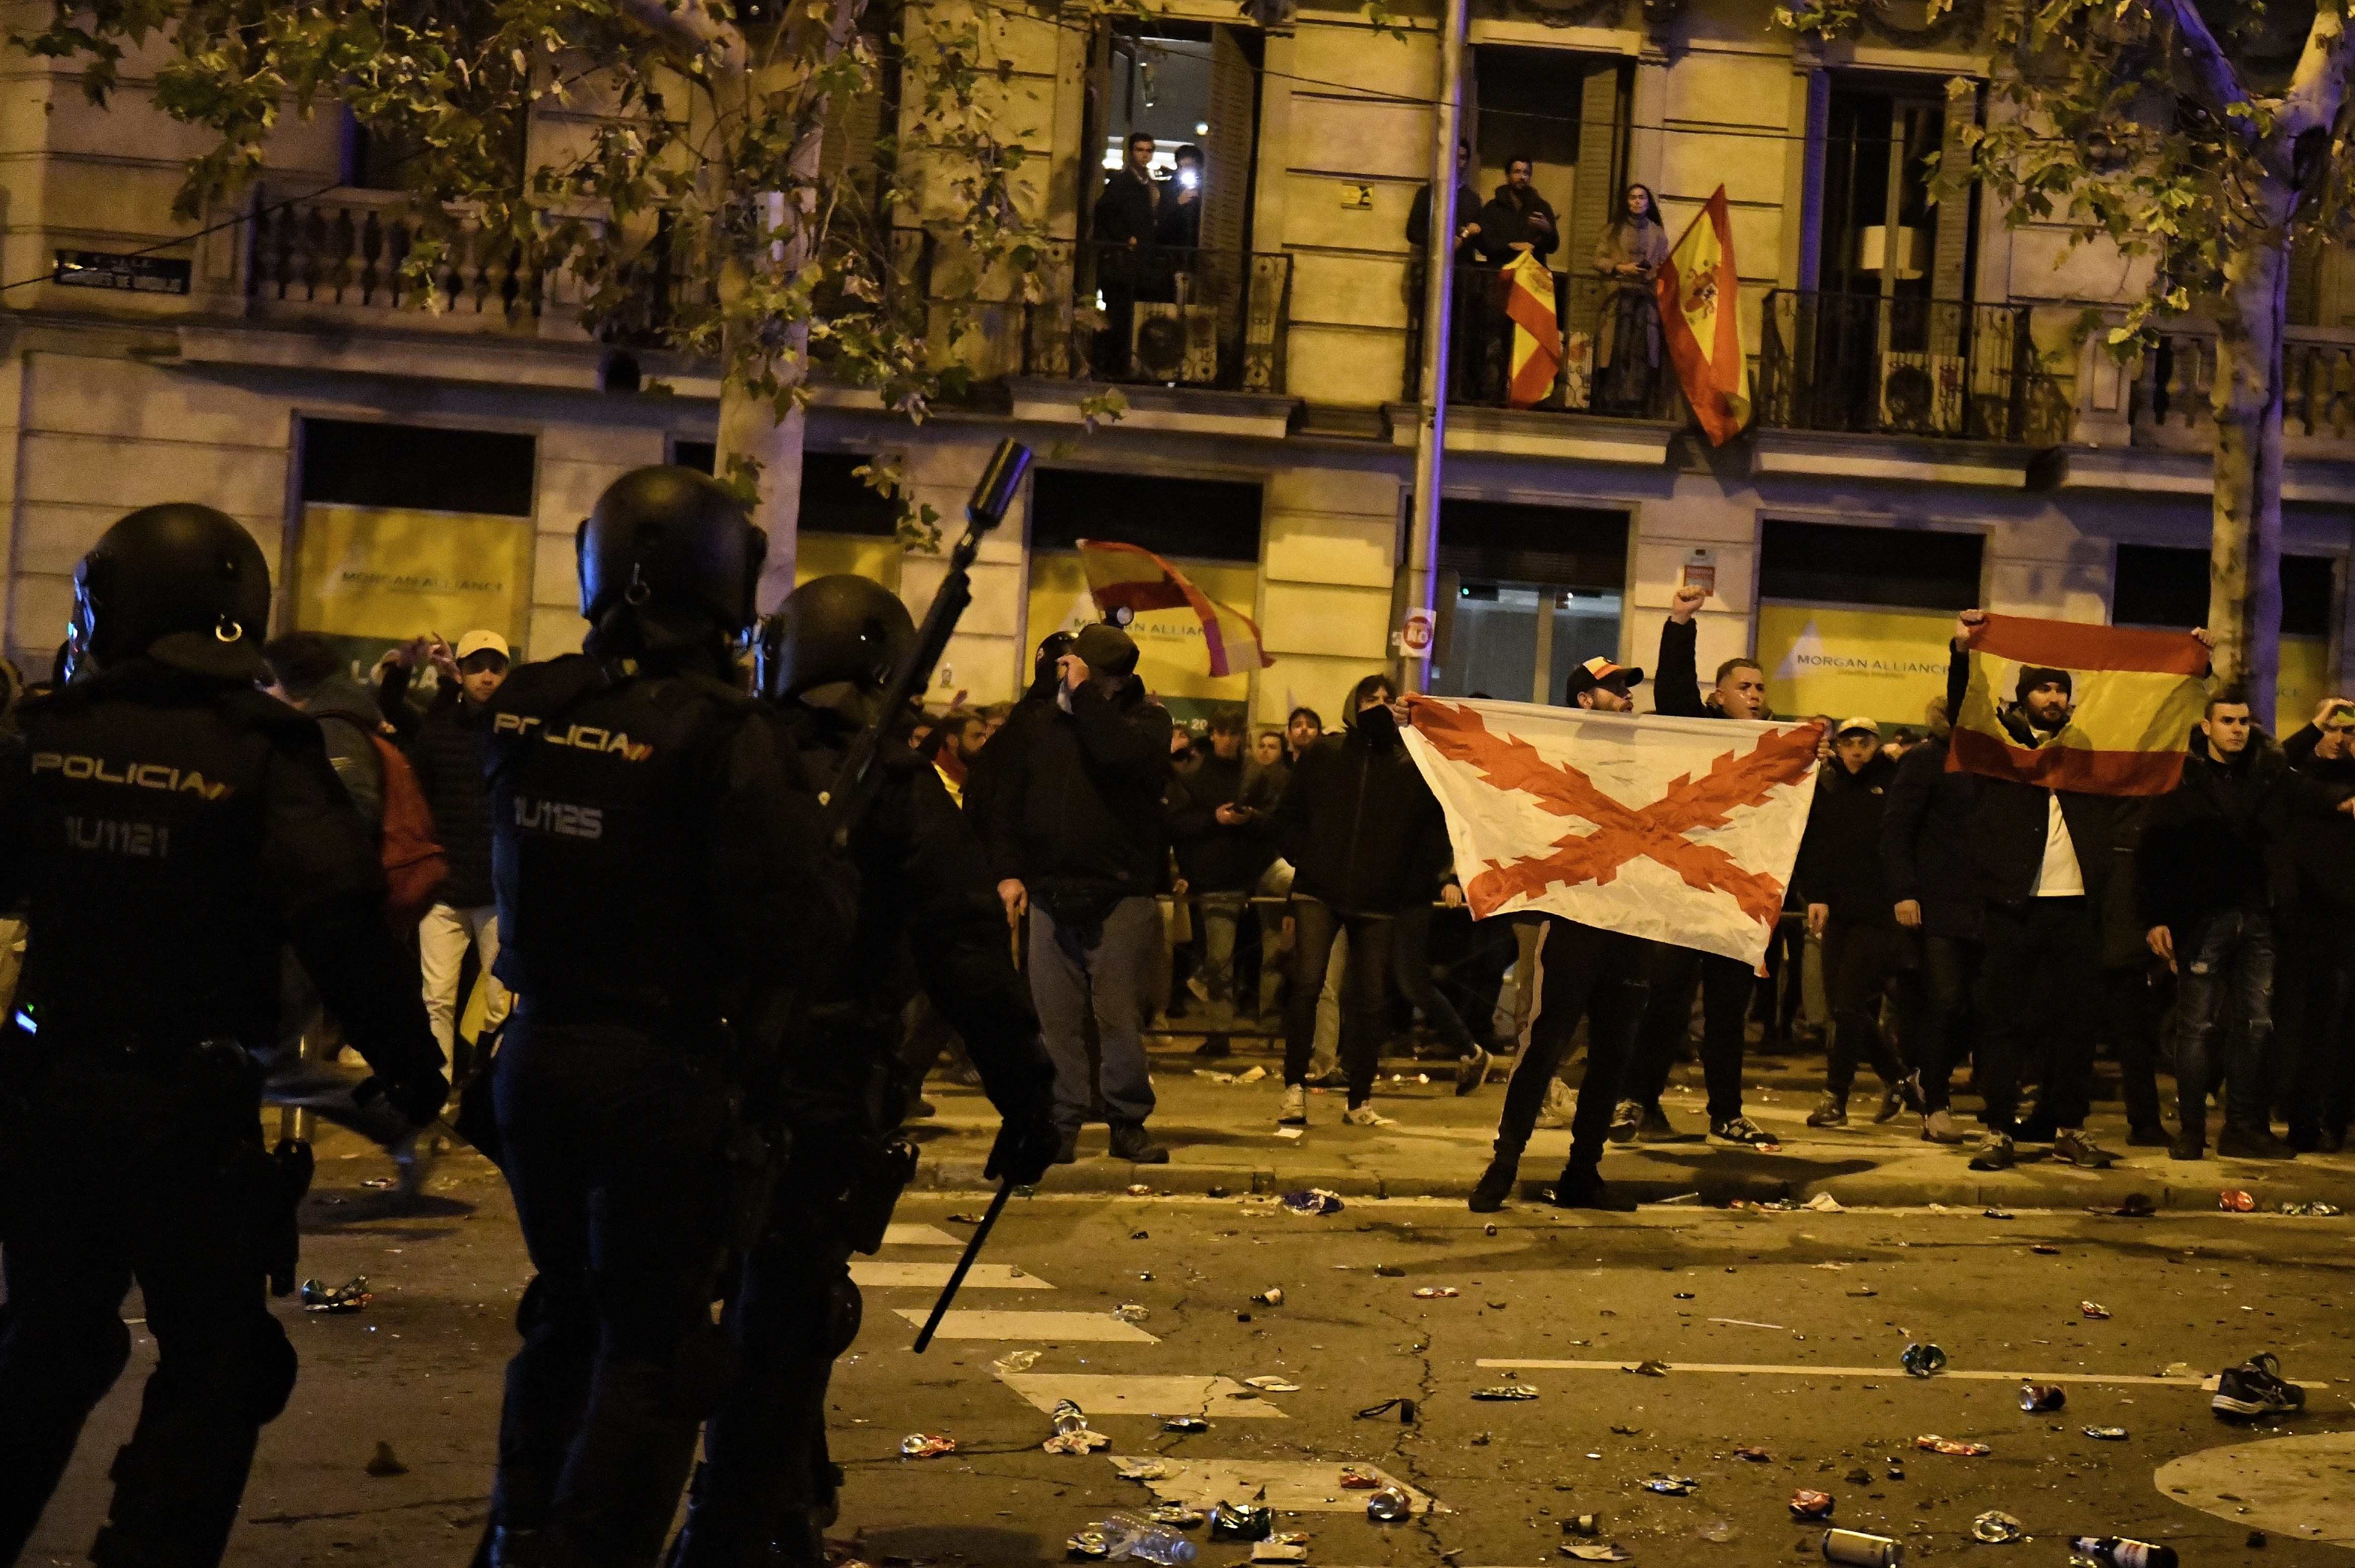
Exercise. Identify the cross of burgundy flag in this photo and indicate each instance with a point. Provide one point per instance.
(1680, 830)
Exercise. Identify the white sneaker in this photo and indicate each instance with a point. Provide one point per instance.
(1295, 1107)
(1363, 1116)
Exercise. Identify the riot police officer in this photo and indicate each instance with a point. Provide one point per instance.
(928, 915)
(167, 827)
(661, 887)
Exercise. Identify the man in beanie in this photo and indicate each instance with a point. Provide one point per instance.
(1080, 839)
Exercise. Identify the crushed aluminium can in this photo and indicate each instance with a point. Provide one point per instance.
(1806, 1504)
(2037, 1398)
(1923, 1360)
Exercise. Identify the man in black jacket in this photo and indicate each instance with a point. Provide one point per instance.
(1517, 220)
(1849, 908)
(1725, 984)
(1223, 849)
(447, 756)
(2042, 858)
(2317, 982)
(2214, 874)
(1934, 895)
(168, 828)
(1080, 839)
(1365, 836)
(1128, 267)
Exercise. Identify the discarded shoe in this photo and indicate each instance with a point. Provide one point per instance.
(2257, 1387)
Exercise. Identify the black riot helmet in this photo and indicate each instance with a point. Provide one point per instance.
(671, 550)
(833, 629)
(181, 583)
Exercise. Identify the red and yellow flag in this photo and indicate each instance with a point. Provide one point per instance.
(1130, 578)
(2135, 697)
(1700, 315)
(1537, 333)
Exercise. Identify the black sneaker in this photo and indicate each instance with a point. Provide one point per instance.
(1495, 1185)
(1625, 1117)
(2247, 1143)
(1830, 1111)
(2075, 1146)
(2189, 1144)
(1471, 1071)
(1743, 1131)
(1657, 1128)
(2255, 1387)
(1586, 1189)
(1129, 1143)
(1996, 1156)
(1215, 1045)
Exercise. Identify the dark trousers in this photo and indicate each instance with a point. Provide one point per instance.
(2130, 1023)
(1411, 937)
(1581, 972)
(613, 1142)
(1725, 986)
(2041, 976)
(1859, 963)
(2229, 958)
(2313, 993)
(1364, 985)
(107, 1184)
(1935, 995)
(767, 1474)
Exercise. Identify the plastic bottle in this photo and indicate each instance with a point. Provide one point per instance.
(2119, 1551)
(1131, 1535)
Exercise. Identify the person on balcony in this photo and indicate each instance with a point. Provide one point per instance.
(1178, 225)
(1517, 222)
(1127, 219)
(1628, 353)
(1466, 328)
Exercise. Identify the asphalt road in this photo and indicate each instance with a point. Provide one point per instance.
(1822, 1304)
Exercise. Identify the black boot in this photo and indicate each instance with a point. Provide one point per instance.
(1496, 1184)
(1129, 1143)
(1582, 1187)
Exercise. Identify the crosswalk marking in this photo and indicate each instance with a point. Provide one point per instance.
(989, 1325)
(934, 1276)
(1292, 1485)
(919, 1236)
(1895, 1372)
(1214, 1397)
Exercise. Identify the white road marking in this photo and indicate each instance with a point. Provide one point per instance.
(932, 1275)
(919, 1236)
(1212, 1397)
(1292, 1485)
(1894, 1374)
(988, 1324)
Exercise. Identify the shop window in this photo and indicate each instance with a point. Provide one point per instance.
(1857, 621)
(2159, 586)
(1834, 562)
(1199, 519)
(423, 466)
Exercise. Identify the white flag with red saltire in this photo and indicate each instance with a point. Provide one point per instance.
(1677, 830)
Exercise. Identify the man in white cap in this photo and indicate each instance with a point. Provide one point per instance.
(447, 758)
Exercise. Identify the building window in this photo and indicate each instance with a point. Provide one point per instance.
(1855, 621)
(1884, 229)
(420, 466)
(1198, 519)
(2167, 589)
(1525, 594)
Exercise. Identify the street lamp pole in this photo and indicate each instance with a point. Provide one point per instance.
(1438, 298)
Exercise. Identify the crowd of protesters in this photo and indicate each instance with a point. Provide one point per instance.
(1298, 883)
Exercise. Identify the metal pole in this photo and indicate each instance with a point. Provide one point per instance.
(1438, 301)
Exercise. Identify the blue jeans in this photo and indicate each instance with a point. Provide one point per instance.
(2232, 955)
(1070, 981)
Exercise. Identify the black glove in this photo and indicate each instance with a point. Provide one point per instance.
(418, 1099)
(1025, 1146)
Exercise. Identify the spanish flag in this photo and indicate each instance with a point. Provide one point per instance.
(1701, 317)
(1537, 334)
(1130, 578)
(2135, 695)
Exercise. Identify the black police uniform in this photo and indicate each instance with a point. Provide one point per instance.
(656, 869)
(928, 914)
(169, 832)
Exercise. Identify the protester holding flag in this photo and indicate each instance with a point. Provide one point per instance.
(1365, 837)
(1725, 983)
(1627, 350)
(2041, 838)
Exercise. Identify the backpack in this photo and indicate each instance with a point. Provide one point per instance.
(414, 866)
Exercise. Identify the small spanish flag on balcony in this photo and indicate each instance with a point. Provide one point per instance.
(1537, 331)
(1130, 578)
(1701, 317)
(2132, 699)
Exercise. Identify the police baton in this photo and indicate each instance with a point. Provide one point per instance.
(964, 1264)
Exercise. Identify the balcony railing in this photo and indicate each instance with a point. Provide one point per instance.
(2167, 392)
(343, 251)
(1638, 383)
(1870, 364)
